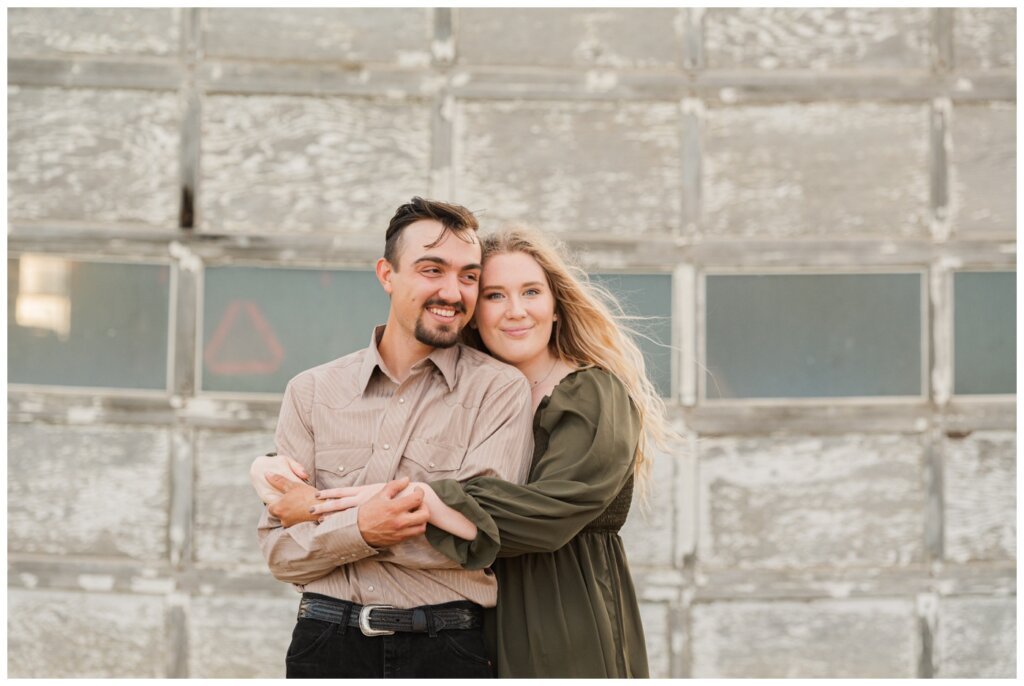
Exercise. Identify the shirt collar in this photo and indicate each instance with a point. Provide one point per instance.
(445, 359)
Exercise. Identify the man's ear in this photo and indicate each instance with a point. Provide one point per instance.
(384, 272)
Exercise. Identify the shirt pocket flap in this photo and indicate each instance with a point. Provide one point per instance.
(338, 466)
(433, 458)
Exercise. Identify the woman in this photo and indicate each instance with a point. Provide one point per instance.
(566, 603)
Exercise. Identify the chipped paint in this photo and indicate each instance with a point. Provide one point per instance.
(443, 50)
(187, 260)
(28, 580)
(83, 415)
(600, 81)
(96, 582)
(156, 586)
(413, 58)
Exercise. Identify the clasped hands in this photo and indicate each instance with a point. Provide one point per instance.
(387, 515)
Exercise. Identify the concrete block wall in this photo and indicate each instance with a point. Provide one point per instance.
(838, 539)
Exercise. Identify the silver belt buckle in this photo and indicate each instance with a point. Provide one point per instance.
(364, 621)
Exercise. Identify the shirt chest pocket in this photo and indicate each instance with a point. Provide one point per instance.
(337, 467)
(430, 462)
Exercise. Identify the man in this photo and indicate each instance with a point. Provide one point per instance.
(377, 600)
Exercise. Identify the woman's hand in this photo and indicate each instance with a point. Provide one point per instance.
(341, 499)
(284, 466)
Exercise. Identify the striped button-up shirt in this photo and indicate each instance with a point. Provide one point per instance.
(458, 414)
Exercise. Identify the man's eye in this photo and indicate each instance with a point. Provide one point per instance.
(471, 278)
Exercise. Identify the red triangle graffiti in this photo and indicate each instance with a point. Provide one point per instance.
(267, 360)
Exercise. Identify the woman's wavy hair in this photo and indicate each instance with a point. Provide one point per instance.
(591, 330)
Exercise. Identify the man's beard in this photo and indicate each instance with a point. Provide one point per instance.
(444, 337)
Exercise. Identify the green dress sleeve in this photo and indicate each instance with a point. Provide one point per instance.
(586, 437)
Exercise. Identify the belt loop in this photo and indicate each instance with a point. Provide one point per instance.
(346, 614)
(431, 627)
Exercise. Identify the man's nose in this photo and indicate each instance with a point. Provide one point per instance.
(450, 291)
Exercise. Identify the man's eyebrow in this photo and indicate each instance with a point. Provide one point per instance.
(445, 263)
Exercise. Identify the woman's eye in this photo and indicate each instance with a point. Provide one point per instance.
(492, 296)
(532, 291)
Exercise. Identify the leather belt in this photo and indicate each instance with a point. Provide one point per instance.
(384, 620)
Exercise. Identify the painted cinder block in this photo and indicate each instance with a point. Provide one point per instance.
(282, 164)
(610, 168)
(791, 503)
(72, 31)
(979, 495)
(984, 169)
(823, 170)
(815, 639)
(100, 491)
(985, 38)
(609, 38)
(227, 507)
(80, 634)
(976, 638)
(652, 532)
(816, 38)
(239, 637)
(353, 35)
(655, 618)
(92, 155)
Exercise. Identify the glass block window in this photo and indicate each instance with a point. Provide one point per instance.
(984, 332)
(262, 326)
(648, 296)
(87, 323)
(813, 335)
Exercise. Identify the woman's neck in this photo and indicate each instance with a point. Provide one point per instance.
(537, 369)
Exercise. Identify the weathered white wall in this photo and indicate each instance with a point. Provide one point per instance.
(837, 540)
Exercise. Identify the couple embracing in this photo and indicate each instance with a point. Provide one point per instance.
(448, 499)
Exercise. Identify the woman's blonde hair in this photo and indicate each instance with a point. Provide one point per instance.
(591, 330)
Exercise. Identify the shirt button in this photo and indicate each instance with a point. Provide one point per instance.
(431, 464)
(401, 400)
(370, 588)
(341, 469)
(386, 446)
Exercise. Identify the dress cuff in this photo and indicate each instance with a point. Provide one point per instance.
(475, 554)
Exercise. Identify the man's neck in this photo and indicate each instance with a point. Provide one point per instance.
(400, 352)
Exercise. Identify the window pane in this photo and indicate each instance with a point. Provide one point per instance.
(648, 295)
(76, 323)
(985, 338)
(263, 326)
(810, 335)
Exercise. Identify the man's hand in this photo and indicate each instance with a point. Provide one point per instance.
(385, 519)
(294, 506)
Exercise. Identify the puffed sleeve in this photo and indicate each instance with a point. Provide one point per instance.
(591, 428)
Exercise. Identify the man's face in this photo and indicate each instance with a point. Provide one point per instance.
(433, 290)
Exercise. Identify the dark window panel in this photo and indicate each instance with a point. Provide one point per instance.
(263, 326)
(813, 335)
(91, 324)
(985, 337)
(649, 297)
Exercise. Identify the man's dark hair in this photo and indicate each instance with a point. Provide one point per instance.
(454, 218)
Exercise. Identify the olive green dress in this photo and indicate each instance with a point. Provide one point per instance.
(566, 603)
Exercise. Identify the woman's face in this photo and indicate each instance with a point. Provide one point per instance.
(516, 309)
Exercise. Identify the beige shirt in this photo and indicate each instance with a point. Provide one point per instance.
(459, 414)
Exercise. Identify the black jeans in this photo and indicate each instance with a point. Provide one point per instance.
(321, 650)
